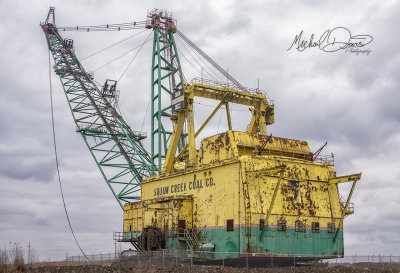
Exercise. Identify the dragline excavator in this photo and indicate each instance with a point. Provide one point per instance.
(239, 192)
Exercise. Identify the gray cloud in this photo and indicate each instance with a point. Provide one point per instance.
(38, 169)
(350, 101)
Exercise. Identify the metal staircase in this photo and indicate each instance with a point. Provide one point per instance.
(191, 239)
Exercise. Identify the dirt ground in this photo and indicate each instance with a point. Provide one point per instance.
(370, 268)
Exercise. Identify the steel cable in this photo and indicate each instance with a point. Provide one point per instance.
(140, 48)
(211, 61)
(216, 75)
(108, 27)
(56, 158)
(120, 56)
(123, 40)
(194, 67)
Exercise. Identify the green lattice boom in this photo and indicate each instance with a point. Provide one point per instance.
(166, 75)
(116, 148)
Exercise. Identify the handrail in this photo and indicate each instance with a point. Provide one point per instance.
(253, 91)
(191, 238)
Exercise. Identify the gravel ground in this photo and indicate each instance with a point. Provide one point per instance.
(370, 268)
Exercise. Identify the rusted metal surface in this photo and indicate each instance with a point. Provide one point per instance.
(233, 144)
(231, 182)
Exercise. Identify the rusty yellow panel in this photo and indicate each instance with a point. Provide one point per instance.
(160, 214)
(208, 190)
(234, 182)
(200, 196)
(216, 148)
(231, 144)
(296, 169)
(274, 143)
(133, 215)
(303, 195)
(270, 115)
(186, 211)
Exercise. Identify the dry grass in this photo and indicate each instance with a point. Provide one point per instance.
(12, 260)
(4, 261)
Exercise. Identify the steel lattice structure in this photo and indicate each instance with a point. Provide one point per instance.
(166, 78)
(116, 148)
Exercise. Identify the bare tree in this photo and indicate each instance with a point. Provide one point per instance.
(4, 261)
(17, 258)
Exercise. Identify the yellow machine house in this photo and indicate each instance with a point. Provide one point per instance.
(240, 192)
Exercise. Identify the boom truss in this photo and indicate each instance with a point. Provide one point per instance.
(116, 148)
(166, 78)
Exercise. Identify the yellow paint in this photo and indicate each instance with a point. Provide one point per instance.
(262, 114)
(241, 176)
(173, 144)
(231, 182)
(345, 178)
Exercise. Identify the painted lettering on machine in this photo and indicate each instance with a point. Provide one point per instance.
(196, 184)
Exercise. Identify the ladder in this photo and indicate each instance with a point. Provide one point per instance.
(191, 239)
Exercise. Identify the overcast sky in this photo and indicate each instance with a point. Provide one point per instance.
(349, 100)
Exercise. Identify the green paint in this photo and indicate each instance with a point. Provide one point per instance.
(277, 243)
(166, 75)
(115, 147)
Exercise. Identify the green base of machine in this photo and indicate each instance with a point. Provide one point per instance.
(223, 244)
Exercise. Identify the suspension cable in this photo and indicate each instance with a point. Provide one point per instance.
(56, 158)
(194, 66)
(123, 40)
(211, 61)
(107, 27)
(120, 56)
(141, 46)
(205, 64)
(145, 114)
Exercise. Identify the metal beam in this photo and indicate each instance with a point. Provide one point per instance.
(199, 131)
(281, 169)
(228, 95)
(345, 209)
(173, 144)
(166, 76)
(345, 178)
(228, 116)
(115, 147)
